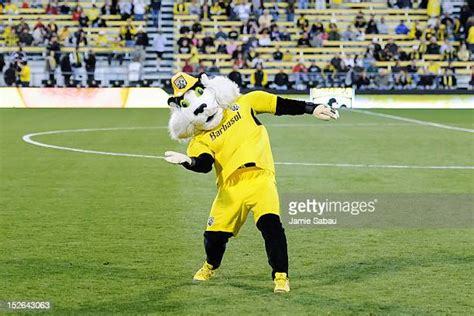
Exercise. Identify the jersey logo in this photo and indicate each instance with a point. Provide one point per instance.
(225, 126)
(210, 221)
(235, 107)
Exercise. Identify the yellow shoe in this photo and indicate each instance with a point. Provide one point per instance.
(282, 284)
(205, 273)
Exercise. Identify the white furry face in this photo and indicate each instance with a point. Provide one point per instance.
(201, 108)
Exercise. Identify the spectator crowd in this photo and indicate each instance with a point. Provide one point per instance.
(445, 34)
(128, 40)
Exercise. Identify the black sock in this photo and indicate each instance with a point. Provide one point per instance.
(275, 242)
(214, 244)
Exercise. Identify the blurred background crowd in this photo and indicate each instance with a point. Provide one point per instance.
(270, 43)
(67, 39)
(295, 44)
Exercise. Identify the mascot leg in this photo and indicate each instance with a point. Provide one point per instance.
(214, 244)
(275, 242)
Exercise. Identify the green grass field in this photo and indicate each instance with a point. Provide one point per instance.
(94, 233)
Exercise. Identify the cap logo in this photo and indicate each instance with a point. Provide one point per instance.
(180, 82)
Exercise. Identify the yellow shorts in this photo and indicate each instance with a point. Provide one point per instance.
(249, 189)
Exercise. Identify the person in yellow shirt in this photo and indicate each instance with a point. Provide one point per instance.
(223, 131)
(181, 8)
(336, 3)
(194, 60)
(25, 73)
(10, 35)
(448, 80)
(287, 56)
(128, 32)
(412, 33)
(259, 78)
(93, 13)
(64, 34)
(102, 40)
(10, 8)
(434, 68)
(442, 33)
(463, 53)
(470, 36)
(434, 8)
(117, 45)
(216, 9)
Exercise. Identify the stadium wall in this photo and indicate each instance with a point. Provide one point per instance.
(421, 101)
(83, 98)
(157, 98)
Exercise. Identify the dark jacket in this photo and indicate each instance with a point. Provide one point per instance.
(281, 79)
(65, 64)
(10, 75)
(2, 62)
(90, 62)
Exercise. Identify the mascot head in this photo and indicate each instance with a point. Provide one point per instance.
(198, 104)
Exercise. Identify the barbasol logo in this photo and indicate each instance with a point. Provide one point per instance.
(210, 221)
(180, 82)
(225, 126)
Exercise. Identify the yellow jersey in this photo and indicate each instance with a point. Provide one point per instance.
(25, 74)
(240, 138)
(470, 36)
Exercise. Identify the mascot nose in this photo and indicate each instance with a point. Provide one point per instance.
(200, 109)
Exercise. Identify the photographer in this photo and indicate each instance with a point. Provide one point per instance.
(90, 61)
(10, 75)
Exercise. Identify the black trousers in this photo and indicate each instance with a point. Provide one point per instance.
(67, 80)
(273, 235)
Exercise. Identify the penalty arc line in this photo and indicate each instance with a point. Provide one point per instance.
(28, 139)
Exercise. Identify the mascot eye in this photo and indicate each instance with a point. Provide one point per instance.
(199, 91)
(184, 103)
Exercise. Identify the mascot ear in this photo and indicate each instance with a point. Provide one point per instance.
(204, 79)
(173, 102)
(226, 90)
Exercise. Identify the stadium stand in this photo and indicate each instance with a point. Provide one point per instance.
(285, 45)
(296, 44)
(117, 40)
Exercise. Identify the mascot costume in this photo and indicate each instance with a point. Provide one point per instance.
(222, 128)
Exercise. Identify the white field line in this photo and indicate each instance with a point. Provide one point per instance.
(333, 124)
(414, 121)
(348, 165)
(28, 139)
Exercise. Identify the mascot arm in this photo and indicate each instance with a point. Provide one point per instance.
(296, 107)
(202, 163)
(264, 102)
(293, 107)
(201, 157)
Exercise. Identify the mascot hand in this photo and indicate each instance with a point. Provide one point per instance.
(176, 158)
(325, 113)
